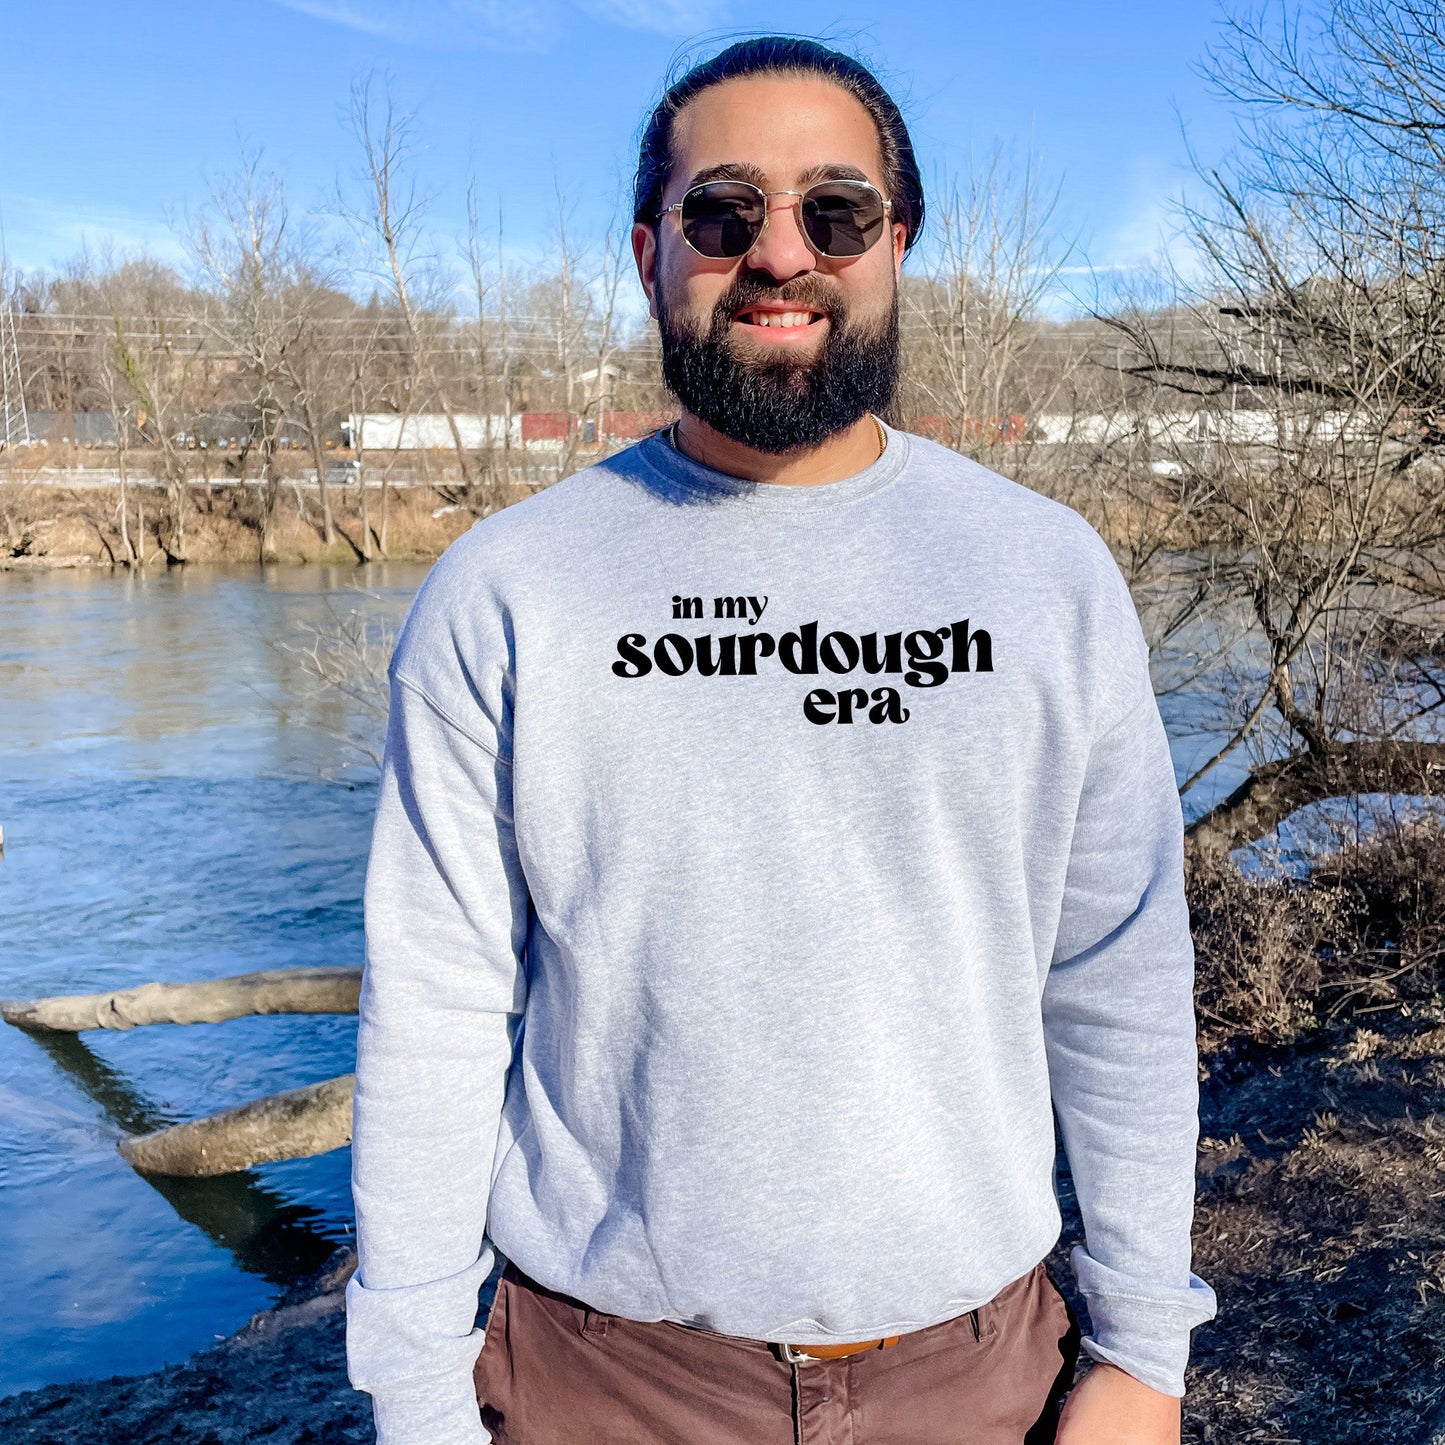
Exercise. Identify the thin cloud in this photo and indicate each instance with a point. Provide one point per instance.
(501, 24)
(669, 17)
(437, 24)
(351, 16)
(1087, 270)
(41, 233)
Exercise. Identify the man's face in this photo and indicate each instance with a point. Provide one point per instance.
(775, 388)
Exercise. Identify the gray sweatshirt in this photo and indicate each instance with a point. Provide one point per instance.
(753, 867)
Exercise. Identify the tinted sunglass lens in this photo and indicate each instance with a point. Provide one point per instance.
(841, 219)
(722, 218)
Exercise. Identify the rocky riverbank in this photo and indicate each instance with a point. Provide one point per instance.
(281, 1379)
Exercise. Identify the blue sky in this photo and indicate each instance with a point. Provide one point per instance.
(114, 115)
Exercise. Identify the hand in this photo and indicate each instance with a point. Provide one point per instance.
(1110, 1407)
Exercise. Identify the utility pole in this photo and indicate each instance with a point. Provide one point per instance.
(14, 421)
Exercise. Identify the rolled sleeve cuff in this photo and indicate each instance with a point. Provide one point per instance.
(428, 1410)
(391, 1334)
(1145, 1332)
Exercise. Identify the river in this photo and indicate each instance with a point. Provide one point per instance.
(175, 805)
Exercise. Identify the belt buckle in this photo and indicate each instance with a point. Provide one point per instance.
(797, 1357)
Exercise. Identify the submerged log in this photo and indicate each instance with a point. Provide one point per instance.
(272, 991)
(298, 1123)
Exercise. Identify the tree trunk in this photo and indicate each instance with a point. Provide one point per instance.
(124, 502)
(318, 455)
(298, 1123)
(366, 543)
(273, 991)
(176, 487)
(1275, 790)
(270, 483)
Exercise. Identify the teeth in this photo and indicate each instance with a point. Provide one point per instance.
(781, 318)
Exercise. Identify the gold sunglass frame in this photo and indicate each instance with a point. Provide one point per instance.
(796, 206)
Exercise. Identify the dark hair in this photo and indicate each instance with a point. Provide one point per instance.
(774, 55)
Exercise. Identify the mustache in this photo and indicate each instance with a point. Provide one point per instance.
(811, 292)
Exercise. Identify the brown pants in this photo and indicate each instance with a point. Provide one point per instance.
(552, 1371)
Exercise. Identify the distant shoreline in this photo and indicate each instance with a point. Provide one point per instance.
(46, 525)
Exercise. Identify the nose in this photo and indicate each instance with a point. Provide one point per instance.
(781, 251)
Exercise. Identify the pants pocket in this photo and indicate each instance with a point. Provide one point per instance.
(490, 1373)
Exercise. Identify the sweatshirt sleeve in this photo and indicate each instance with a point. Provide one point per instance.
(1120, 1036)
(446, 911)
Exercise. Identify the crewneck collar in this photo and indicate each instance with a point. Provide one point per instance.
(677, 467)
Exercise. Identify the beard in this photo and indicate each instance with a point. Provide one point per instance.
(781, 404)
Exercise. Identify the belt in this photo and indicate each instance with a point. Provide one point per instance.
(809, 1354)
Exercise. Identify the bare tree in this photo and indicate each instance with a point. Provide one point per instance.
(389, 218)
(122, 415)
(318, 372)
(975, 345)
(492, 358)
(572, 312)
(242, 246)
(1316, 366)
(359, 359)
(101, 286)
(147, 370)
(310, 367)
(346, 658)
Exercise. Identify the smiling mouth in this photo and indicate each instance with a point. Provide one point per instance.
(780, 319)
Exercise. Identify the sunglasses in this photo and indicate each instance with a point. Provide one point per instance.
(723, 219)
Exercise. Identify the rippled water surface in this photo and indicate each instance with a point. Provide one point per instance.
(176, 805)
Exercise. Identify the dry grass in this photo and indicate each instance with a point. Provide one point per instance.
(1321, 1225)
(1277, 959)
(1320, 1219)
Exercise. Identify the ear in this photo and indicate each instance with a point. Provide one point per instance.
(644, 252)
(900, 243)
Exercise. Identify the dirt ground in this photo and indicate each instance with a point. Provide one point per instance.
(1320, 1223)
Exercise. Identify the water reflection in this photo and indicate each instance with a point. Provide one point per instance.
(265, 1235)
(177, 671)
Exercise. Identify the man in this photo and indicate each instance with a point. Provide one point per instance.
(776, 821)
